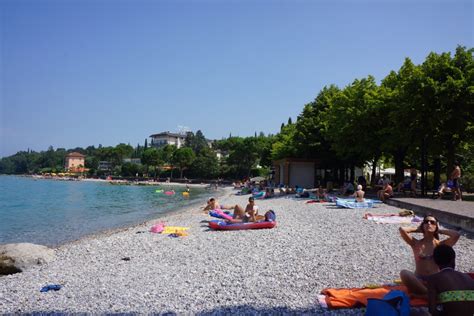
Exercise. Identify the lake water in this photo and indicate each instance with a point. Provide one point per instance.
(51, 212)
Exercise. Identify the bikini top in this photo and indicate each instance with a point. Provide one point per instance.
(456, 296)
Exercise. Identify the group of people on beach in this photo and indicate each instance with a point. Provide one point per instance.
(453, 185)
(449, 292)
(240, 214)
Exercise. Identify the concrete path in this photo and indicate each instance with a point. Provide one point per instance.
(457, 213)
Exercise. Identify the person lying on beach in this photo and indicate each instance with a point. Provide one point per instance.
(269, 193)
(423, 252)
(450, 292)
(212, 204)
(302, 193)
(359, 194)
(321, 193)
(386, 192)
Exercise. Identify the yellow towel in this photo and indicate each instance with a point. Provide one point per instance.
(174, 229)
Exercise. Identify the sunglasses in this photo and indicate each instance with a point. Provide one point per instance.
(429, 221)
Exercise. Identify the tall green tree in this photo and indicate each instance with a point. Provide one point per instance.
(152, 157)
(167, 153)
(284, 145)
(183, 157)
(310, 140)
(205, 165)
(401, 94)
(351, 123)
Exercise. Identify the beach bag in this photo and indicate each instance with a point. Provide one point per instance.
(394, 303)
(270, 216)
(406, 213)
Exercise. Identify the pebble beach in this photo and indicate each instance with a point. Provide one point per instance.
(266, 271)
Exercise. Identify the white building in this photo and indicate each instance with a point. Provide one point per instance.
(167, 138)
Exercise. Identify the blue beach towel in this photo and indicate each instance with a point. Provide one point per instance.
(353, 204)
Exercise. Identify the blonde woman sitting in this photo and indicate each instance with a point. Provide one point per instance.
(359, 194)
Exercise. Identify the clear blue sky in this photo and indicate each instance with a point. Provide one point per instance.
(78, 73)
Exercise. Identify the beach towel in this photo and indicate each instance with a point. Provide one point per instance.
(357, 297)
(315, 201)
(353, 204)
(219, 214)
(157, 228)
(392, 219)
(173, 229)
(49, 287)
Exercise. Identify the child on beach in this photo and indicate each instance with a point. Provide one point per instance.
(450, 292)
(423, 252)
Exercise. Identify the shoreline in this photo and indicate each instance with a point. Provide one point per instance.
(124, 182)
(279, 270)
(111, 231)
(54, 237)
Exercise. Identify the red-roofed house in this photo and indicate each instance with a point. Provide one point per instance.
(75, 162)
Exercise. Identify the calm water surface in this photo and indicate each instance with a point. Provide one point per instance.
(51, 212)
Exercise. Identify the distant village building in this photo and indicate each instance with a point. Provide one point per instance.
(167, 138)
(135, 161)
(75, 162)
(105, 165)
(220, 154)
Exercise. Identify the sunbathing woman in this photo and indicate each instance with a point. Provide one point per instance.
(212, 204)
(359, 194)
(423, 252)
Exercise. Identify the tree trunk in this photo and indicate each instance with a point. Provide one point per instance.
(352, 173)
(423, 166)
(399, 157)
(374, 171)
(342, 176)
(450, 157)
(437, 172)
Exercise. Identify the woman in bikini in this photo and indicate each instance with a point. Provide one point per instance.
(423, 252)
(359, 194)
(212, 205)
